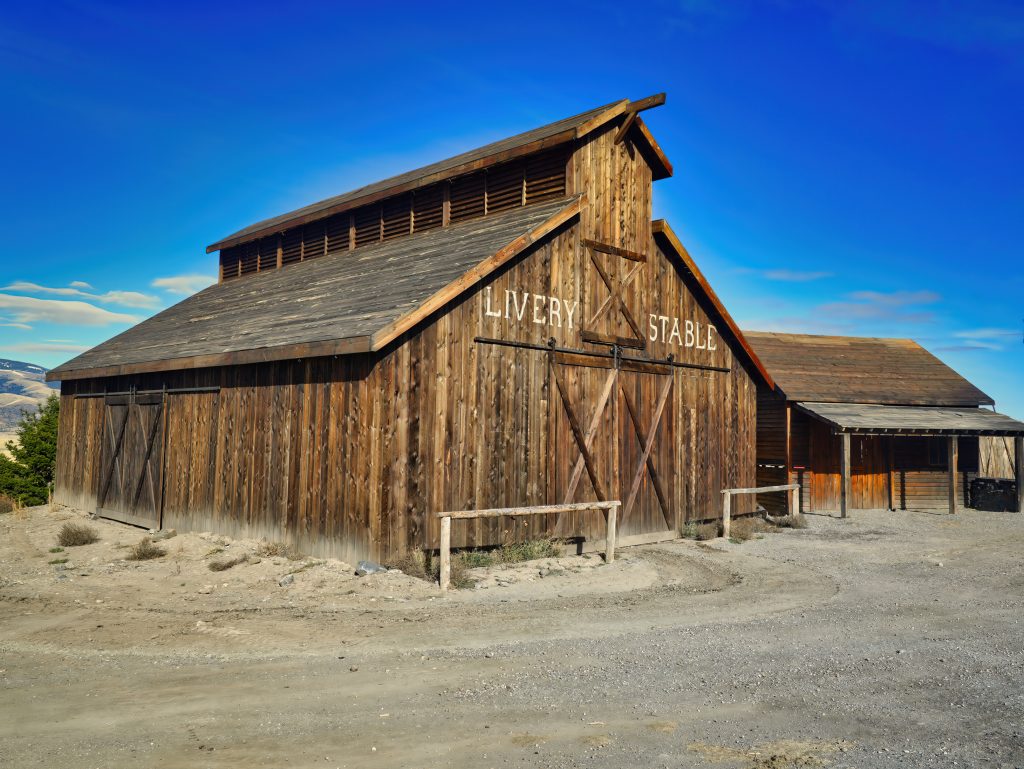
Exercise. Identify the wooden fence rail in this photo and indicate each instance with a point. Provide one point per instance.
(792, 488)
(612, 508)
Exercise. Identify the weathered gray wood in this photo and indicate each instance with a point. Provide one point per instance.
(726, 515)
(793, 507)
(845, 492)
(762, 489)
(952, 465)
(873, 419)
(498, 512)
(445, 576)
(609, 549)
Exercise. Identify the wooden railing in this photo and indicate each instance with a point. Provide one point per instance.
(792, 488)
(612, 508)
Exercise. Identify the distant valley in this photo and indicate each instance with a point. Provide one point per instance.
(22, 388)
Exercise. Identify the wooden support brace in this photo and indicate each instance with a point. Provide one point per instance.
(1018, 463)
(952, 466)
(609, 547)
(726, 513)
(446, 553)
(845, 491)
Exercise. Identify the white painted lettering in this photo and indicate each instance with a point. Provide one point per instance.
(711, 343)
(700, 339)
(538, 309)
(664, 324)
(487, 304)
(675, 332)
(689, 333)
(653, 321)
(554, 311)
(516, 306)
(570, 310)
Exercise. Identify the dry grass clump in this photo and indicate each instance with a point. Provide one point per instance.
(75, 534)
(790, 522)
(743, 529)
(145, 550)
(701, 532)
(226, 563)
(425, 566)
(528, 551)
(6, 504)
(279, 550)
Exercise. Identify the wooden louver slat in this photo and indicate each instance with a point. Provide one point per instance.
(545, 176)
(396, 216)
(314, 241)
(229, 262)
(291, 246)
(505, 187)
(250, 259)
(467, 197)
(268, 253)
(428, 208)
(367, 225)
(337, 233)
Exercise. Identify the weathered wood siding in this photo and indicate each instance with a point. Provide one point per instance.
(350, 456)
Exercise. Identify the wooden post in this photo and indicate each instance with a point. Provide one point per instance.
(845, 492)
(446, 553)
(794, 508)
(1018, 463)
(609, 546)
(726, 513)
(953, 447)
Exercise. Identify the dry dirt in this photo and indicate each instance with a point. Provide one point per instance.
(885, 640)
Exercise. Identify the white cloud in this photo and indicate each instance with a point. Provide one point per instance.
(794, 276)
(11, 324)
(986, 333)
(184, 285)
(42, 347)
(29, 309)
(122, 298)
(80, 284)
(896, 298)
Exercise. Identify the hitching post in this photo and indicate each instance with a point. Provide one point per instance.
(446, 553)
(609, 546)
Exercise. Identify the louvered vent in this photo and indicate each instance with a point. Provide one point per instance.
(314, 240)
(467, 197)
(397, 216)
(337, 233)
(291, 246)
(545, 176)
(505, 187)
(229, 262)
(428, 208)
(367, 225)
(268, 253)
(249, 259)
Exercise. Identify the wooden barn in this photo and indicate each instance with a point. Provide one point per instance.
(506, 327)
(871, 424)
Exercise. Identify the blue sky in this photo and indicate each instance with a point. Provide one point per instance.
(852, 168)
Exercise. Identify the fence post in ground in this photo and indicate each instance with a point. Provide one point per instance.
(726, 513)
(609, 547)
(794, 508)
(446, 553)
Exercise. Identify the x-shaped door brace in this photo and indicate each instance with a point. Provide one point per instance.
(115, 455)
(147, 470)
(615, 290)
(585, 439)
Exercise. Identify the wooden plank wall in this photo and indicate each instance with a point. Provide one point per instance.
(349, 456)
(995, 457)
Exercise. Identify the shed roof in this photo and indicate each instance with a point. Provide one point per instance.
(536, 139)
(920, 420)
(846, 369)
(350, 301)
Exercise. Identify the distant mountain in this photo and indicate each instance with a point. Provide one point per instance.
(22, 387)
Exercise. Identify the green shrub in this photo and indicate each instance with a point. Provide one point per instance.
(26, 475)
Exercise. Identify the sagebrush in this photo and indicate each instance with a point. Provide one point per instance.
(145, 550)
(75, 534)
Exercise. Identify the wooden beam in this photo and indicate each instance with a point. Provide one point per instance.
(648, 102)
(624, 128)
(952, 466)
(845, 491)
(605, 248)
(1018, 469)
(891, 462)
(599, 120)
(475, 275)
(655, 155)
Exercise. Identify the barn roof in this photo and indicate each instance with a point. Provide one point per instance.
(666, 238)
(350, 301)
(847, 369)
(531, 141)
(917, 420)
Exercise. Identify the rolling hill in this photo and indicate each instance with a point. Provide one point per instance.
(22, 388)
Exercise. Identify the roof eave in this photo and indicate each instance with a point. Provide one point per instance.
(661, 228)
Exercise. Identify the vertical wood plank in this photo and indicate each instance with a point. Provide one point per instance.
(845, 492)
(954, 459)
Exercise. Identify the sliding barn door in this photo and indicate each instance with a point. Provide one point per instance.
(613, 441)
(132, 465)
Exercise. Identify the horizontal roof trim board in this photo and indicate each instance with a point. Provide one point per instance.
(513, 147)
(668, 238)
(847, 369)
(342, 303)
(877, 419)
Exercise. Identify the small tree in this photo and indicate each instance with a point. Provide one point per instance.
(28, 473)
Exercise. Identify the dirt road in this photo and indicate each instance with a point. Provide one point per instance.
(886, 640)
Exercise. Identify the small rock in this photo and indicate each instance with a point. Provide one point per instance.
(353, 669)
(163, 534)
(286, 580)
(205, 590)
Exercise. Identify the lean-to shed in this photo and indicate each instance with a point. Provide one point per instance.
(870, 423)
(504, 328)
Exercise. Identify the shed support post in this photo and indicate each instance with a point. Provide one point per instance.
(1018, 463)
(794, 508)
(953, 461)
(446, 553)
(845, 492)
(726, 513)
(609, 545)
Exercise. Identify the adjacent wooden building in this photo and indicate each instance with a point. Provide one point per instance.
(870, 423)
(507, 327)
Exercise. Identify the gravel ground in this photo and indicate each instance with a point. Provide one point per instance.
(887, 640)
